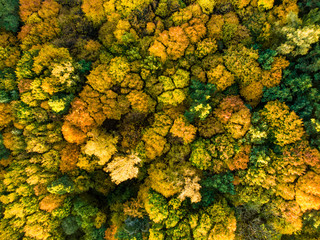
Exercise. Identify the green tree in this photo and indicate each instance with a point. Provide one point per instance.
(61, 186)
(200, 94)
(9, 17)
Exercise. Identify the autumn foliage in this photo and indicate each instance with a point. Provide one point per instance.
(159, 120)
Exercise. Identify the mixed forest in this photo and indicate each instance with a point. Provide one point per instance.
(159, 119)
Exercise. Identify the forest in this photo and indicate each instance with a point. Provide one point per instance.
(159, 119)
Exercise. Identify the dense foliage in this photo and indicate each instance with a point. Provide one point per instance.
(159, 119)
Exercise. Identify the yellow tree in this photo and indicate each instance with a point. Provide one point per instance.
(122, 168)
(285, 127)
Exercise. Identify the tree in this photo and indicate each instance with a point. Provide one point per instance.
(79, 115)
(209, 127)
(133, 228)
(94, 11)
(10, 52)
(295, 44)
(6, 115)
(215, 222)
(219, 182)
(69, 158)
(200, 157)
(287, 216)
(154, 144)
(251, 225)
(214, 26)
(220, 77)
(118, 69)
(265, 4)
(85, 213)
(154, 137)
(170, 44)
(9, 18)
(122, 168)
(69, 225)
(191, 189)
(183, 130)
(61, 186)
(58, 62)
(164, 180)
(195, 30)
(273, 77)
(233, 32)
(27, 8)
(40, 20)
(207, 6)
(285, 126)
(174, 97)
(200, 94)
(51, 202)
(307, 191)
(206, 47)
(60, 104)
(242, 63)
(99, 79)
(141, 101)
(40, 137)
(102, 145)
(72, 134)
(156, 206)
(234, 115)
